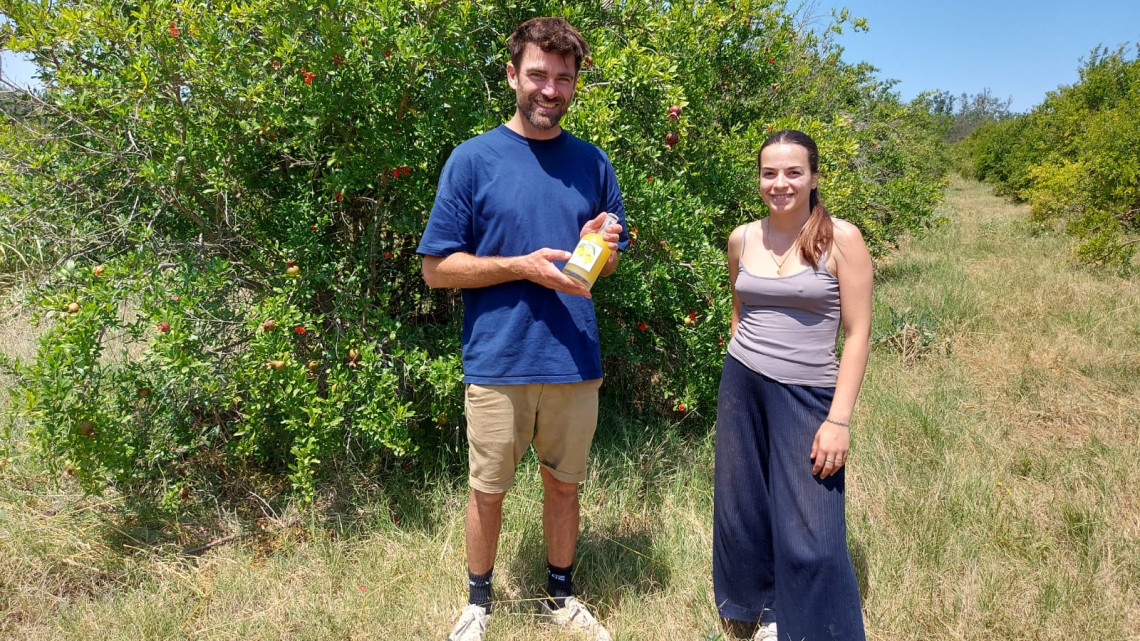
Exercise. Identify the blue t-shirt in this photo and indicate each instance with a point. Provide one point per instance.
(502, 194)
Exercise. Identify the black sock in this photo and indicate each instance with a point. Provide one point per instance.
(480, 589)
(559, 584)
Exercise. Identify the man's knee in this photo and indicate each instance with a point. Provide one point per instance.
(487, 500)
(556, 489)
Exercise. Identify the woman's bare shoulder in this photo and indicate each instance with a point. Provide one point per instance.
(846, 234)
(737, 236)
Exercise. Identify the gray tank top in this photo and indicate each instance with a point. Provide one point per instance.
(788, 325)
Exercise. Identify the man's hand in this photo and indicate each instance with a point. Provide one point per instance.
(538, 267)
(610, 235)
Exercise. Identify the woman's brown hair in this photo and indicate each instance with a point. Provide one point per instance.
(816, 234)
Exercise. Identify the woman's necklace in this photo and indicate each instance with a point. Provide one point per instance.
(779, 263)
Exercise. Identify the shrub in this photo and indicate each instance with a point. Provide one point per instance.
(198, 170)
(1076, 158)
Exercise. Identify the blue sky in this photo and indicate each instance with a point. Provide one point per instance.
(1019, 49)
(15, 69)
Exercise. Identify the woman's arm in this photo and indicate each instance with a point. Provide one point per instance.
(735, 241)
(854, 271)
(853, 264)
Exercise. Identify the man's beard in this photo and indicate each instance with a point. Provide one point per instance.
(542, 122)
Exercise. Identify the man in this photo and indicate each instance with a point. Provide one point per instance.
(511, 202)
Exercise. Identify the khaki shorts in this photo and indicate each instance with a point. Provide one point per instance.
(559, 419)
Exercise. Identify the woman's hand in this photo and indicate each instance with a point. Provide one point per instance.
(829, 449)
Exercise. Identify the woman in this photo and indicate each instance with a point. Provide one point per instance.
(784, 408)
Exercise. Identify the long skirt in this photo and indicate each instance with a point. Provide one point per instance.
(779, 533)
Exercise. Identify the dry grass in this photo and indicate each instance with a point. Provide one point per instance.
(17, 339)
(992, 494)
(1003, 484)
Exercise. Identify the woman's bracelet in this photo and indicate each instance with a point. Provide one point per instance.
(835, 422)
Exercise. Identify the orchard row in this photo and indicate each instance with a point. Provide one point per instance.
(227, 143)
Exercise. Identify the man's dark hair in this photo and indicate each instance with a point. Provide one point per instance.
(552, 35)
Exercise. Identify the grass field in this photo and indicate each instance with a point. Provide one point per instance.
(992, 493)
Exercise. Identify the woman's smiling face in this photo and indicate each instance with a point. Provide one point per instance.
(786, 179)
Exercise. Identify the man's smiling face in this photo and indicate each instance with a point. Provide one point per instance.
(544, 85)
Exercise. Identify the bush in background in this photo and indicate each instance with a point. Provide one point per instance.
(228, 199)
(1075, 159)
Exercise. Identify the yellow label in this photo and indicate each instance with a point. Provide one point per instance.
(586, 255)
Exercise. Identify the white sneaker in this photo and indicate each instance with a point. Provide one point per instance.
(576, 616)
(471, 625)
(766, 632)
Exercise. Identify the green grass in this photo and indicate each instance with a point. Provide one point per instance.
(992, 493)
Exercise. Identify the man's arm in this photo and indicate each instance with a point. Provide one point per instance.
(467, 271)
(462, 270)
